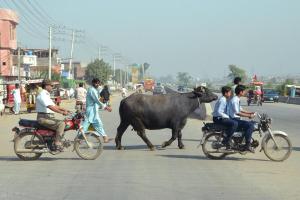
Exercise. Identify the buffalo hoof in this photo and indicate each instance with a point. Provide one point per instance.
(181, 147)
(120, 148)
(164, 145)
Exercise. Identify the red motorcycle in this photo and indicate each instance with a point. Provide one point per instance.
(32, 140)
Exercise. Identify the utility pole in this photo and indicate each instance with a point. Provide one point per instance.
(121, 77)
(71, 56)
(114, 66)
(50, 53)
(0, 57)
(143, 69)
(19, 64)
(99, 52)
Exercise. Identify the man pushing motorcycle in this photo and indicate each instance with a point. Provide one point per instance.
(46, 108)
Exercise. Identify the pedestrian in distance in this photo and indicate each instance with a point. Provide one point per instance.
(105, 95)
(236, 81)
(80, 96)
(17, 99)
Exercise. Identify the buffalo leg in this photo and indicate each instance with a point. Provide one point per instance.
(180, 144)
(174, 136)
(120, 131)
(142, 134)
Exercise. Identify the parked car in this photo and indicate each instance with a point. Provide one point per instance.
(158, 90)
(270, 95)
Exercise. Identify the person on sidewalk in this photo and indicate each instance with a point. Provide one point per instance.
(45, 109)
(17, 99)
(220, 115)
(236, 112)
(93, 104)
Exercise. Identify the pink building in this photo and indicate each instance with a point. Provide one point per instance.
(8, 40)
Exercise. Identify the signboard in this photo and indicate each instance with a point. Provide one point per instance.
(134, 75)
(29, 60)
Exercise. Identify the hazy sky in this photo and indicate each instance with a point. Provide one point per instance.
(199, 37)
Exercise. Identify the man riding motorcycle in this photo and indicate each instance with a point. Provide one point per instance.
(236, 112)
(46, 108)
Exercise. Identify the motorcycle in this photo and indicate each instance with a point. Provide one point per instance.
(32, 139)
(256, 99)
(275, 144)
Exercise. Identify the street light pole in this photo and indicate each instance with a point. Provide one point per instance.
(50, 53)
(71, 57)
(19, 64)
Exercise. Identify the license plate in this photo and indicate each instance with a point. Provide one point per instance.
(271, 98)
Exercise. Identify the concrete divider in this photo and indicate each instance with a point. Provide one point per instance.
(290, 100)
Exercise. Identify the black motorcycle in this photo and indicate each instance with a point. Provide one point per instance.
(275, 144)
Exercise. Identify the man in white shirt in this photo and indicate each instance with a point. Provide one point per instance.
(124, 92)
(17, 99)
(235, 112)
(220, 115)
(80, 97)
(46, 108)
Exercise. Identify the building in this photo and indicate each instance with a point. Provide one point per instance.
(8, 41)
(35, 62)
(77, 71)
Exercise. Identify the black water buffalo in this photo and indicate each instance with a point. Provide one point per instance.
(158, 112)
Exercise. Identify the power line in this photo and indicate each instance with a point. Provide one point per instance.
(27, 15)
(28, 22)
(37, 10)
(43, 11)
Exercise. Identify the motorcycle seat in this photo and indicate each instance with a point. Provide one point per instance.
(215, 127)
(32, 124)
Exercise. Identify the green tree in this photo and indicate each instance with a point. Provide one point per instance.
(98, 69)
(237, 72)
(183, 78)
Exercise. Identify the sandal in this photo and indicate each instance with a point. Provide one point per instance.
(107, 140)
(59, 147)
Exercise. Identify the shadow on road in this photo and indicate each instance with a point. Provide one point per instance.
(192, 140)
(200, 157)
(136, 147)
(16, 159)
(296, 148)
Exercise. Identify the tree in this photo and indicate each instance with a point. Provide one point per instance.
(183, 78)
(98, 69)
(237, 72)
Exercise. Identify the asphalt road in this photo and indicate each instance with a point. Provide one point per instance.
(137, 173)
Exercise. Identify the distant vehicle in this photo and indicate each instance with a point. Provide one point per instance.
(270, 95)
(149, 85)
(159, 89)
(181, 88)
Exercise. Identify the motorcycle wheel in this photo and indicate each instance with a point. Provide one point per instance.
(84, 151)
(284, 148)
(26, 141)
(209, 146)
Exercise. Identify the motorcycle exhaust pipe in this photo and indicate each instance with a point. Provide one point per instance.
(33, 151)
